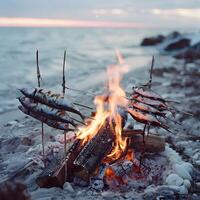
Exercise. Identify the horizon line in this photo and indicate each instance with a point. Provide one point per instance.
(49, 22)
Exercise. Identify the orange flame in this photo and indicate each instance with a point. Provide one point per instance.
(107, 107)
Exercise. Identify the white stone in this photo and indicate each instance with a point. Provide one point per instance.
(11, 123)
(68, 187)
(20, 125)
(108, 195)
(174, 179)
(197, 162)
(173, 156)
(182, 172)
(174, 188)
(188, 166)
(183, 190)
(187, 183)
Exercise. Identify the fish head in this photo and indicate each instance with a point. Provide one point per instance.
(28, 91)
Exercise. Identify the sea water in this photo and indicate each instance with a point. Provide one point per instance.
(89, 52)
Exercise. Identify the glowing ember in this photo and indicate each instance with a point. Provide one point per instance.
(107, 107)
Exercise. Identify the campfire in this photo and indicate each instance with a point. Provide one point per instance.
(103, 152)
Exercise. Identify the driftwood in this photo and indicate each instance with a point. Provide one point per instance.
(54, 173)
(153, 143)
(93, 153)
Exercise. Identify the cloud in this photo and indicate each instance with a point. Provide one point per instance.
(113, 11)
(183, 12)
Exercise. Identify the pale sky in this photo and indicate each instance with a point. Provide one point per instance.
(138, 13)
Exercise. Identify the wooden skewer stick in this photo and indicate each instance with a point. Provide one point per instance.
(63, 90)
(147, 125)
(151, 72)
(80, 91)
(39, 78)
(63, 83)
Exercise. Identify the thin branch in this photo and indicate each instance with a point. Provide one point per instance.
(81, 105)
(39, 78)
(63, 83)
(81, 91)
(151, 72)
(63, 90)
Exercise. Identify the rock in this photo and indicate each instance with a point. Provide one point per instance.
(78, 181)
(152, 40)
(182, 172)
(26, 141)
(195, 197)
(13, 190)
(164, 70)
(188, 166)
(187, 183)
(183, 190)
(173, 35)
(197, 162)
(174, 179)
(12, 123)
(195, 188)
(173, 188)
(98, 185)
(167, 196)
(108, 195)
(191, 54)
(165, 192)
(11, 144)
(149, 195)
(196, 46)
(46, 193)
(20, 125)
(68, 187)
(177, 45)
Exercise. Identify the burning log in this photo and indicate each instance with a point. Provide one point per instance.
(54, 173)
(153, 143)
(94, 152)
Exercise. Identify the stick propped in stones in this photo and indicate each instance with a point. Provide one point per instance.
(39, 78)
(63, 90)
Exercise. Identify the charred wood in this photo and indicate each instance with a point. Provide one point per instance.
(153, 143)
(94, 152)
(54, 173)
